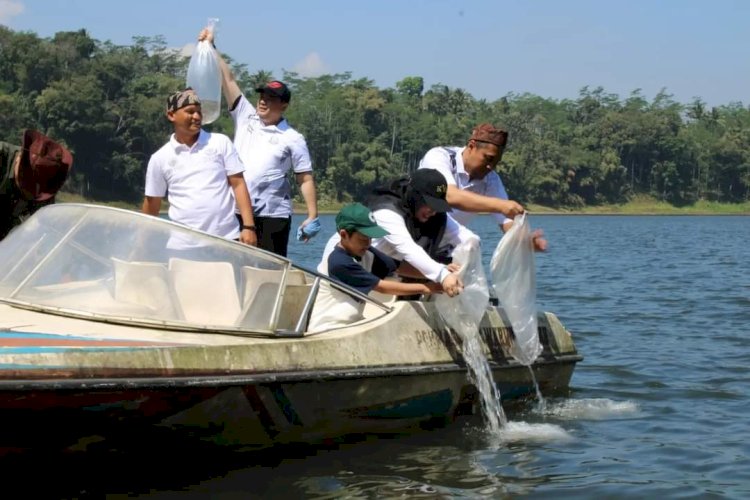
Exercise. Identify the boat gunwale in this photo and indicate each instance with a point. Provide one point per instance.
(232, 380)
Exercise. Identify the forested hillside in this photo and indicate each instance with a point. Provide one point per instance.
(106, 102)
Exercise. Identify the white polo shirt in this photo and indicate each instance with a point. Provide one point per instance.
(440, 159)
(268, 152)
(194, 179)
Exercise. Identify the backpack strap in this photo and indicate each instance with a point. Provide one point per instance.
(452, 154)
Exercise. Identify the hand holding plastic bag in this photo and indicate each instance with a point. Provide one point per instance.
(204, 76)
(470, 305)
(514, 278)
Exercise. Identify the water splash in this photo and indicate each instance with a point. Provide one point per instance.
(537, 433)
(591, 409)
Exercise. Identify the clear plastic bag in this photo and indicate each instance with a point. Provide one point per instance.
(204, 76)
(470, 305)
(514, 279)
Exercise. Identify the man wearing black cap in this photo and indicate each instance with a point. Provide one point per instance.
(473, 184)
(269, 147)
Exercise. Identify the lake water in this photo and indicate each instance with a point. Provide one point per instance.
(660, 309)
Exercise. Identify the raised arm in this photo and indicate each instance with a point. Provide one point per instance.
(228, 83)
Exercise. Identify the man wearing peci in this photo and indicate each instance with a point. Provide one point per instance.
(473, 184)
(198, 171)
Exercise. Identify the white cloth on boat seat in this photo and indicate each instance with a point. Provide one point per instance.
(206, 291)
(145, 284)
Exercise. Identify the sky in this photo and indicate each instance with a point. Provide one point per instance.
(490, 48)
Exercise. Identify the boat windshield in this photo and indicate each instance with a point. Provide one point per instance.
(117, 265)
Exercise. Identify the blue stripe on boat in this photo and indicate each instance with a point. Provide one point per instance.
(436, 403)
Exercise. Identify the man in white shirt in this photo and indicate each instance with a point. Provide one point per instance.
(473, 184)
(198, 171)
(269, 147)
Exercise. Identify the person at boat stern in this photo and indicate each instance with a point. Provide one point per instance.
(198, 171)
(474, 186)
(270, 148)
(354, 262)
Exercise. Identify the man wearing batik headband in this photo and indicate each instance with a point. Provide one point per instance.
(199, 171)
(270, 148)
(473, 184)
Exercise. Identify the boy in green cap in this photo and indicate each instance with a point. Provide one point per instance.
(355, 263)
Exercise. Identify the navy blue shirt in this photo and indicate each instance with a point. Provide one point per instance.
(348, 270)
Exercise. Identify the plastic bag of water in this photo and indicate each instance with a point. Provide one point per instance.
(514, 279)
(470, 305)
(204, 76)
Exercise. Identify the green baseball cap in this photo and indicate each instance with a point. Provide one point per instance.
(357, 217)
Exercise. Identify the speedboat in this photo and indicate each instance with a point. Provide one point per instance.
(115, 323)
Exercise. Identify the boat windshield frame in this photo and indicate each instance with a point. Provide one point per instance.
(31, 274)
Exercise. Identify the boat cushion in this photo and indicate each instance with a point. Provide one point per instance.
(206, 291)
(145, 284)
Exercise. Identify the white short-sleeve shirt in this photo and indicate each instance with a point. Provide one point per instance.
(440, 159)
(269, 152)
(194, 179)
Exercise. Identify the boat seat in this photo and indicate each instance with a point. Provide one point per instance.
(296, 277)
(253, 277)
(145, 284)
(257, 313)
(295, 297)
(206, 292)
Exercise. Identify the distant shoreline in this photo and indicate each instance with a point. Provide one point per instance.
(639, 206)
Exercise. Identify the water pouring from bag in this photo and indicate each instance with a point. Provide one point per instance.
(514, 279)
(463, 315)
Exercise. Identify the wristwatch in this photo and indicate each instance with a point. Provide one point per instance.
(250, 227)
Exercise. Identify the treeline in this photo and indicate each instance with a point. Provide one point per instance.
(106, 102)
